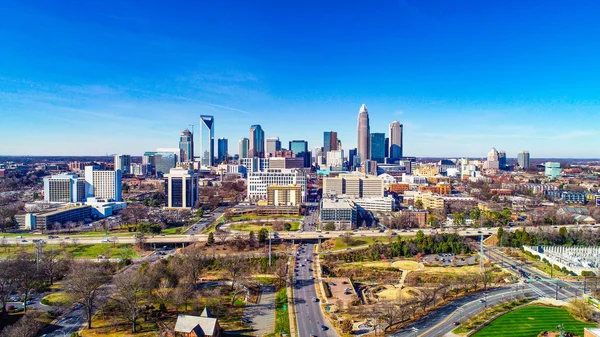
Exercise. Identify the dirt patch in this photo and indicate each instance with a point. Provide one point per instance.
(406, 265)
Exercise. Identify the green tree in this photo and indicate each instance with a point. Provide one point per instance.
(330, 226)
(200, 212)
(419, 204)
(433, 221)
(287, 226)
(211, 238)
(263, 234)
(500, 235)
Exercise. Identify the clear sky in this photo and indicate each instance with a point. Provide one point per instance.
(96, 77)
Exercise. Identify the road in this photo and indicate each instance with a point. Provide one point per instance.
(308, 312)
(199, 226)
(309, 224)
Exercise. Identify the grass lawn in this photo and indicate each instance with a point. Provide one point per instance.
(357, 241)
(56, 299)
(264, 217)
(282, 318)
(529, 321)
(79, 251)
(248, 227)
(401, 264)
(174, 230)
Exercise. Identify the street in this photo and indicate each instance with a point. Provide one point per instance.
(308, 312)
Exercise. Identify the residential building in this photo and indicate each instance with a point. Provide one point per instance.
(256, 147)
(379, 204)
(426, 171)
(207, 140)
(430, 201)
(552, 169)
(103, 184)
(284, 195)
(523, 159)
(399, 188)
(198, 326)
(341, 212)
(377, 147)
(286, 163)
(65, 187)
(300, 148)
(260, 180)
(223, 150)
(442, 188)
(273, 145)
(186, 145)
(417, 217)
(123, 163)
(395, 143)
(243, 146)
(353, 186)
(569, 197)
(363, 135)
(330, 142)
(181, 188)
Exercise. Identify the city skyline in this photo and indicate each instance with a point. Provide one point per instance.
(457, 82)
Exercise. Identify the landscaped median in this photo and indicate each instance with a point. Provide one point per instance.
(282, 318)
(479, 319)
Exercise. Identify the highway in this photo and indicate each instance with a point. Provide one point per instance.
(308, 312)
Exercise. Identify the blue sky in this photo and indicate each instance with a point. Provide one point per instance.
(96, 77)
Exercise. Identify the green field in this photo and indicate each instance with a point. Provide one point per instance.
(357, 241)
(264, 217)
(529, 321)
(282, 318)
(173, 230)
(247, 227)
(79, 251)
(56, 299)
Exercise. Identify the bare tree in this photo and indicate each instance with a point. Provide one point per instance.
(281, 270)
(8, 281)
(222, 235)
(27, 326)
(26, 275)
(83, 285)
(52, 266)
(191, 262)
(235, 266)
(130, 294)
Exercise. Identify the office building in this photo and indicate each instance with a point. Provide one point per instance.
(330, 141)
(159, 162)
(341, 212)
(363, 135)
(335, 159)
(223, 150)
(256, 147)
(286, 154)
(273, 145)
(260, 180)
(207, 140)
(377, 147)
(430, 201)
(52, 219)
(243, 145)
(255, 164)
(181, 188)
(502, 160)
(353, 186)
(379, 204)
(552, 169)
(492, 163)
(103, 184)
(300, 148)
(65, 187)
(387, 147)
(523, 159)
(395, 143)
(186, 145)
(284, 195)
(123, 163)
(351, 158)
(286, 163)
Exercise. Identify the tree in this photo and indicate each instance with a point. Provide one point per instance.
(234, 266)
(131, 290)
(140, 240)
(83, 285)
(433, 221)
(330, 226)
(419, 204)
(486, 277)
(263, 235)
(580, 309)
(27, 326)
(287, 226)
(52, 266)
(346, 326)
(211, 238)
(26, 275)
(281, 270)
(8, 281)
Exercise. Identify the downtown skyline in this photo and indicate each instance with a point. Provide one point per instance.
(103, 78)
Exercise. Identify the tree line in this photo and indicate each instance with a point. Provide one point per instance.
(548, 236)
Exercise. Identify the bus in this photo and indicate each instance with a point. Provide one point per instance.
(593, 302)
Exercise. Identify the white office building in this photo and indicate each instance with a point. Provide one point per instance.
(123, 163)
(335, 159)
(181, 187)
(259, 181)
(65, 187)
(103, 184)
(383, 204)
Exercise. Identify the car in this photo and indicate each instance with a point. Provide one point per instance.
(314, 299)
(15, 299)
(481, 301)
(105, 240)
(313, 335)
(456, 323)
(312, 277)
(67, 237)
(23, 240)
(348, 248)
(324, 328)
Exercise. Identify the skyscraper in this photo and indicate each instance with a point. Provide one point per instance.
(186, 145)
(123, 163)
(243, 145)
(351, 157)
(300, 148)
(256, 147)
(377, 147)
(502, 160)
(363, 133)
(181, 188)
(207, 140)
(523, 159)
(387, 147)
(223, 151)
(103, 184)
(330, 141)
(395, 150)
(273, 145)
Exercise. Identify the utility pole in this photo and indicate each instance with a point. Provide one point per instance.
(270, 258)
(38, 252)
(556, 291)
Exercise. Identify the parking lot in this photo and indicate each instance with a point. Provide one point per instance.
(341, 289)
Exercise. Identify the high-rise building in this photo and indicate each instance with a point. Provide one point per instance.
(351, 157)
(363, 133)
(207, 140)
(552, 169)
(335, 159)
(395, 143)
(65, 187)
(502, 160)
(186, 145)
(492, 162)
(223, 150)
(103, 184)
(256, 147)
(300, 148)
(123, 163)
(377, 147)
(181, 188)
(523, 159)
(353, 186)
(330, 141)
(387, 147)
(273, 145)
(243, 145)
(258, 182)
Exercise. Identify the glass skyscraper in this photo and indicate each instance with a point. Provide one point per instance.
(223, 152)
(256, 146)
(378, 147)
(186, 145)
(300, 149)
(330, 141)
(207, 140)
